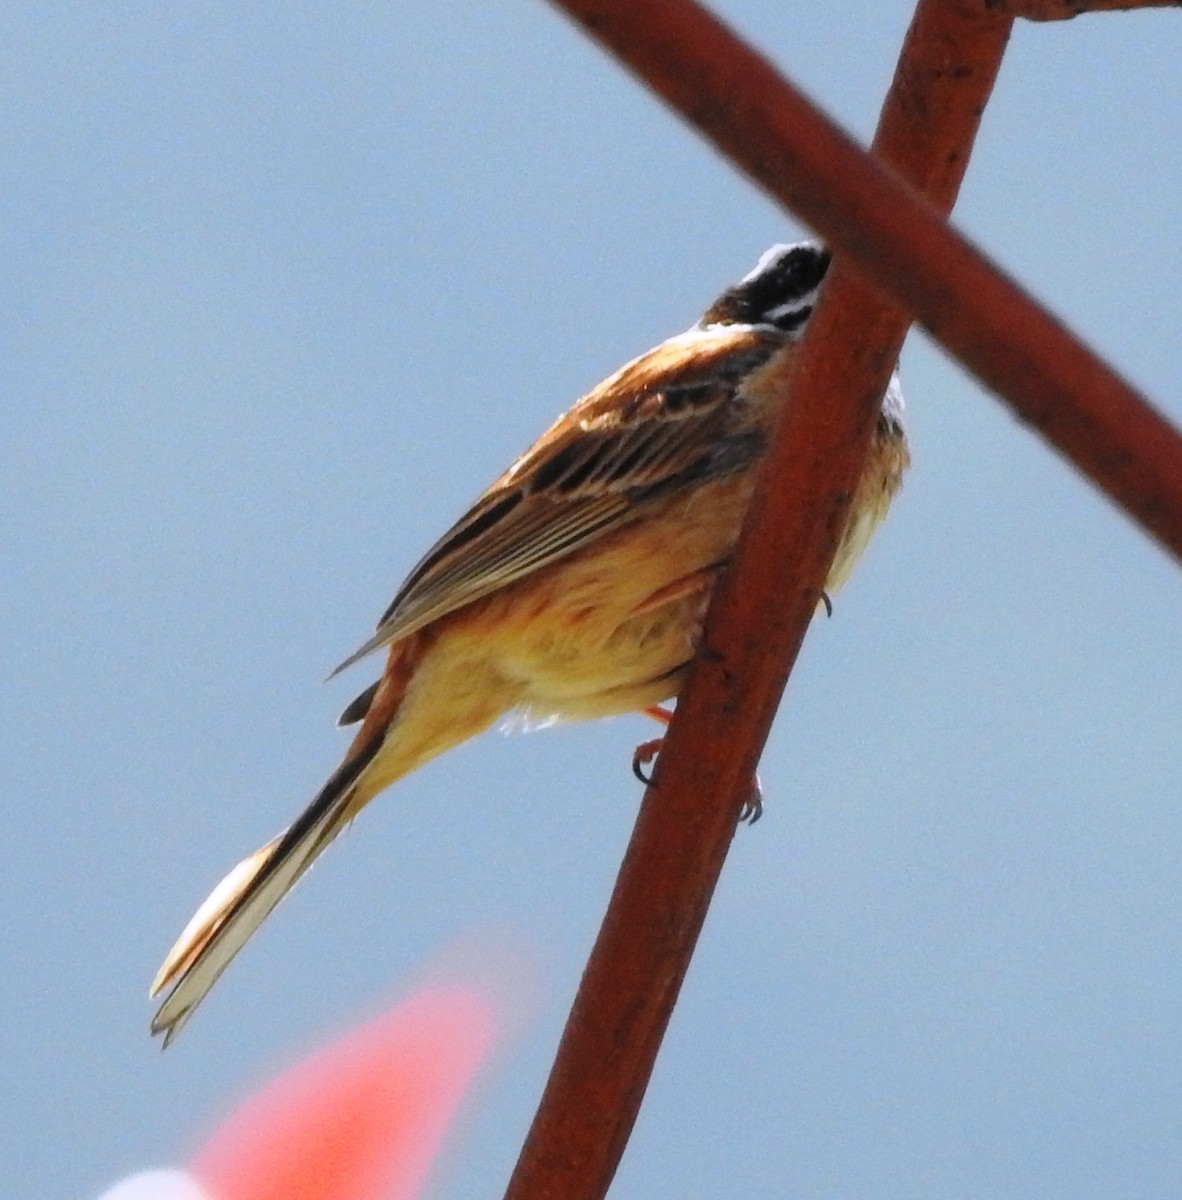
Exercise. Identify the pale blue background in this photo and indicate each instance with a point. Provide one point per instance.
(283, 288)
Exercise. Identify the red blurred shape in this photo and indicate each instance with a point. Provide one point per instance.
(361, 1119)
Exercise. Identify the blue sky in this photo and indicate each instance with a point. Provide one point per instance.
(284, 290)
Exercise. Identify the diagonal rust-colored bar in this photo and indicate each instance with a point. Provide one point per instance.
(1064, 10)
(688, 817)
(770, 131)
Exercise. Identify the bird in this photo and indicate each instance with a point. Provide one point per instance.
(574, 587)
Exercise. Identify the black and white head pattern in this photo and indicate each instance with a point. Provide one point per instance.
(779, 293)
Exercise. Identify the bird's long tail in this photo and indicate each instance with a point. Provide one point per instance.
(243, 900)
(247, 895)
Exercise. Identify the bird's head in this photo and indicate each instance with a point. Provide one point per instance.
(778, 293)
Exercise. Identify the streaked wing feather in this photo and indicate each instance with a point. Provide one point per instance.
(659, 422)
(443, 583)
(544, 532)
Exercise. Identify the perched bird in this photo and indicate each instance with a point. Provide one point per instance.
(574, 587)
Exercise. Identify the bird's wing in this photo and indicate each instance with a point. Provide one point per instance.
(663, 421)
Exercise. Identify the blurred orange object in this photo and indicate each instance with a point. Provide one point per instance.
(361, 1119)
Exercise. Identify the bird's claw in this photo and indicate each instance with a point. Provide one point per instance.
(752, 808)
(642, 756)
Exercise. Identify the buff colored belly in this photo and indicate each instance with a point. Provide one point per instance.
(609, 630)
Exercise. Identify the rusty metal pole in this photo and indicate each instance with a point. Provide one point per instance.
(755, 627)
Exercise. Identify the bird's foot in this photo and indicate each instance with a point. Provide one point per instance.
(642, 756)
(752, 808)
(647, 751)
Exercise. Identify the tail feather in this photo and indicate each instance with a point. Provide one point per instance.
(248, 894)
(211, 917)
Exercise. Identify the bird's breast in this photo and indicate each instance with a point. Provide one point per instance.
(609, 629)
